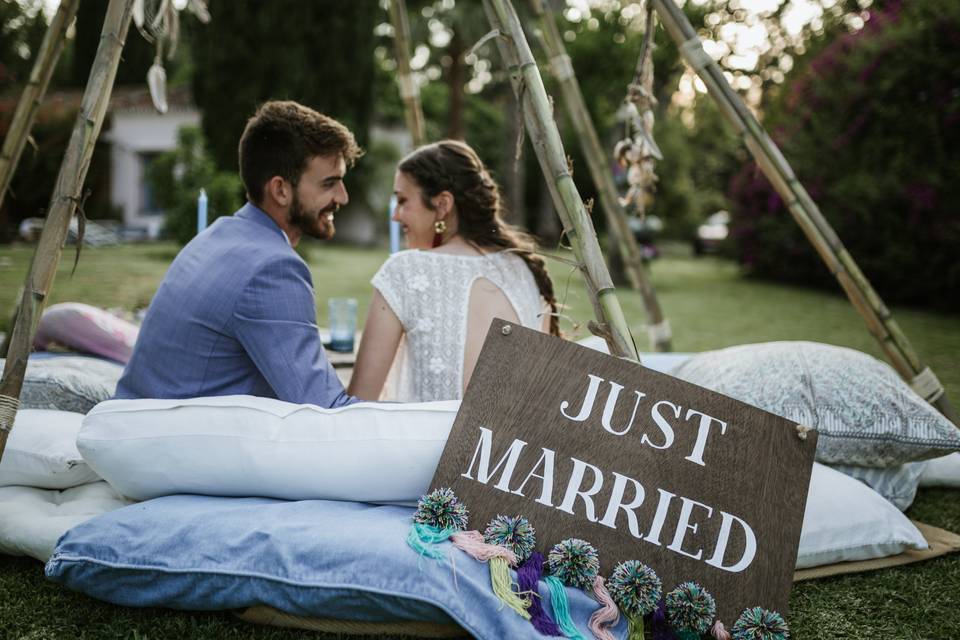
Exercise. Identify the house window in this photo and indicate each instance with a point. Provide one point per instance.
(148, 204)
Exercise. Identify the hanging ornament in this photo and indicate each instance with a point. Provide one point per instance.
(757, 623)
(690, 610)
(636, 589)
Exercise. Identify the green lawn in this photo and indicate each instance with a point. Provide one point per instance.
(709, 306)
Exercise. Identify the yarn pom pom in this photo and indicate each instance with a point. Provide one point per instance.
(516, 534)
(758, 623)
(441, 509)
(690, 607)
(635, 588)
(574, 562)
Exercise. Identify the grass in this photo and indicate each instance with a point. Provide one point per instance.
(709, 306)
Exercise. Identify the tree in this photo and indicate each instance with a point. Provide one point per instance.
(176, 178)
(21, 31)
(319, 53)
(870, 126)
(138, 54)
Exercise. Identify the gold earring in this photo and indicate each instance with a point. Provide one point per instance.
(439, 226)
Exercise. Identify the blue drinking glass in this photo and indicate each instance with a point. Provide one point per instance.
(342, 318)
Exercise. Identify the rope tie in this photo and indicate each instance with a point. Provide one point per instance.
(8, 412)
(659, 332)
(927, 385)
(697, 57)
(408, 86)
(562, 67)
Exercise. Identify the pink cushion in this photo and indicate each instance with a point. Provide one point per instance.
(88, 329)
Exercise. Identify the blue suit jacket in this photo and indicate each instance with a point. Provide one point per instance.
(235, 314)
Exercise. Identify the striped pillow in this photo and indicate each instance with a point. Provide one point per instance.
(897, 484)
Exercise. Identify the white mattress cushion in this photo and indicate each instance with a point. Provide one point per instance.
(32, 520)
(248, 446)
(42, 451)
(846, 520)
(942, 472)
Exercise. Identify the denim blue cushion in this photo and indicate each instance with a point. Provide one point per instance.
(316, 558)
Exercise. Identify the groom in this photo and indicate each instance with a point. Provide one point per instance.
(235, 313)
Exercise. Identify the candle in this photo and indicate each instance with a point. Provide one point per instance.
(202, 211)
(394, 227)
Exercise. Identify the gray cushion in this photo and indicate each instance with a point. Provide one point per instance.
(865, 414)
(68, 383)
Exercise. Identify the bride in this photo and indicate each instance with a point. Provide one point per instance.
(432, 304)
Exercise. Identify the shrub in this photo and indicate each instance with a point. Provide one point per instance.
(870, 125)
(176, 178)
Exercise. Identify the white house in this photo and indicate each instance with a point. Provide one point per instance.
(137, 134)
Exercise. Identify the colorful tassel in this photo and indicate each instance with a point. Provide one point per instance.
(636, 589)
(442, 509)
(634, 627)
(574, 562)
(690, 610)
(561, 608)
(758, 623)
(528, 581)
(471, 543)
(719, 632)
(661, 630)
(439, 515)
(423, 539)
(502, 585)
(517, 536)
(514, 533)
(607, 615)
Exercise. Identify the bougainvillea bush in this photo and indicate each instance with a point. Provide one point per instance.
(871, 126)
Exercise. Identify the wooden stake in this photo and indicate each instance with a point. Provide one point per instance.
(66, 195)
(409, 91)
(545, 138)
(33, 93)
(598, 165)
(775, 167)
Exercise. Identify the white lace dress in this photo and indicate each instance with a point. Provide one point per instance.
(430, 294)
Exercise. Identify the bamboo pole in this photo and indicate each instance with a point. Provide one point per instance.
(545, 138)
(658, 328)
(33, 92)
(775, 167)
(66, 195)
(409, 91)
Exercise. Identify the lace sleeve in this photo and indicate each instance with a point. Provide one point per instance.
(389, 281)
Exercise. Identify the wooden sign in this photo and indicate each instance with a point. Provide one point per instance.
(698, 486)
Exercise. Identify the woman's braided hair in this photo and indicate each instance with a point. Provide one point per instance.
(451, 165)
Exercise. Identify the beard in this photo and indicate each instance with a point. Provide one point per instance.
(316, 224)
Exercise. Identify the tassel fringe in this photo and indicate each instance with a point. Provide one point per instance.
(471, 543)
(561, 608)
(528, 581)
(503, 588)
(719, 632)
(607, 615)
